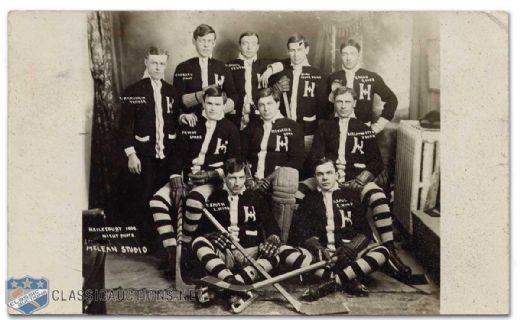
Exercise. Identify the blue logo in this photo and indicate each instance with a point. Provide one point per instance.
(27, 294)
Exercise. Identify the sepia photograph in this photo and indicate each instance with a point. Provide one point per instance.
(250, 162)
(295, 146)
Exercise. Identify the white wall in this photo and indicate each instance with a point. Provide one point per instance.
(50, 102)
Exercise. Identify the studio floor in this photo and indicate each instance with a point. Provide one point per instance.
(387, 295)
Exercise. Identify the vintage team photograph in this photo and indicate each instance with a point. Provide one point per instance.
(263, 163)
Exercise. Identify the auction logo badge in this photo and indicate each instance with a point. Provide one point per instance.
(27, 294)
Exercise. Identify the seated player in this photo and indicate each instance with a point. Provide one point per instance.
(200, 153)
(352, 146)
(331, 222)
(244, 213)
(274, 147)
(349, 142)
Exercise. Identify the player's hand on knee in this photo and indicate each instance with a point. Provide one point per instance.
(134, 164)
(269, 248)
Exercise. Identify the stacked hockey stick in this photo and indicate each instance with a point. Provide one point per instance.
(315, 308)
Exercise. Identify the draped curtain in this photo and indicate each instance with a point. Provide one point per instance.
(104, 158)
(332, 34)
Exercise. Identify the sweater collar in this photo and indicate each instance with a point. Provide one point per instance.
(146, 75)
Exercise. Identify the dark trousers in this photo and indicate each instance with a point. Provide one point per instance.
(137, 190)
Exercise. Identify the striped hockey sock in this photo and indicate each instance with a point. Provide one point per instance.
(207, 256)
(363, 266)
(161, 210)
(377, 201)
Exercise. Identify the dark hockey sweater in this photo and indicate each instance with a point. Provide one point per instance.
(366, 84)
(254, 220)
(238, 71)
(361, 149)
(187, 79)
(285, 146)
(224, 144)
(310, 220)
(312, 101)
(137, 123)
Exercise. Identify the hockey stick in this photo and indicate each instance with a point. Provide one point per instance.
(305, 308)
(287, 105)
(216, 282)
(179, 282)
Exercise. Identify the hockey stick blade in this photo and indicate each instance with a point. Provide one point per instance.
(213, 281)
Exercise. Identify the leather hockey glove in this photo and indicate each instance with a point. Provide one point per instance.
(316, 249)
(220, 240)
(360, 181)
(283, 85)
(348, 252)
(204, 177)
(269, 248)
(178, 190)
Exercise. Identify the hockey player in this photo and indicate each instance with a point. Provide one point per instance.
(352, 146)
(305, 89)
(332, 222)
(349, 142)
(201, 153)
(195, 75)
(248, 71)
(149, 113)
(245, 215)
(366, 84)
(274, 148)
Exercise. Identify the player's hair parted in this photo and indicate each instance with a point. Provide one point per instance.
(203, 30)
(215, 92)
(295, 38)
(350, 43)
(248, 34)
(342, 90)
(266, 92)
(323, 161)
(153, 50)
(233, 165)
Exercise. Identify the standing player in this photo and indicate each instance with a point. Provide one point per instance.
(193, 76)
(305, 88)
(274, 147)
(244, 213)
(247, 71)
(149, 112)
(366, 84)
(332, 222)
(201, 153)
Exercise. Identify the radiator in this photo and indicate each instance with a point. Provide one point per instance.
(417, 154)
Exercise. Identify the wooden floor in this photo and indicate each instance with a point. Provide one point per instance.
(387, 296)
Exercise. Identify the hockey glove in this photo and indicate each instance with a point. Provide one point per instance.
(269, 248)
(178, 191)
(283, 85)
(220, 240)
(316, 249)
(262, 185)
(204, 177)
(347, 252)
(361, 180)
